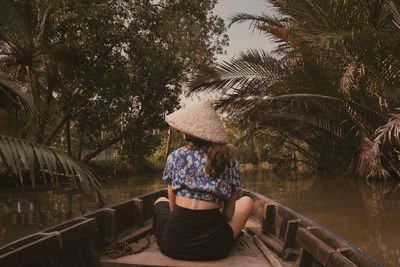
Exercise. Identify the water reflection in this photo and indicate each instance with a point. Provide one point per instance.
(28, 212)
(367, 215)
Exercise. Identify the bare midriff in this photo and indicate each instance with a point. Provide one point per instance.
(195, 204)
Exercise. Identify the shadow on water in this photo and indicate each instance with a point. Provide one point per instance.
(365, 214)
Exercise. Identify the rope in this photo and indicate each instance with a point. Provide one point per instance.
(119, 249)
(59, 238)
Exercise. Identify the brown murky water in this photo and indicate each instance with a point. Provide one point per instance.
(366, 215)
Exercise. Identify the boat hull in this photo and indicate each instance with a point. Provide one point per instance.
(282, 238)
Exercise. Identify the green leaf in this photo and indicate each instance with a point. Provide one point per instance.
(21, 155)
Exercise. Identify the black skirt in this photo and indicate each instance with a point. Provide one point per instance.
(191, 234)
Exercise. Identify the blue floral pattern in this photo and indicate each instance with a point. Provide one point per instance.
(185, 171)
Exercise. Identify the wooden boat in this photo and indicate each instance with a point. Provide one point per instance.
(273, 236)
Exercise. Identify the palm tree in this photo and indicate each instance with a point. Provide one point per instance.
(332, 81)
(28, 51)
(31, 52)
(23, 156)
(11, 97)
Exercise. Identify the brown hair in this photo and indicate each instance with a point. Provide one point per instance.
(218, 155)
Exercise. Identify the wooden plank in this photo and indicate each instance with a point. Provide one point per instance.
(22, 253)
(357, 256)
(74, 233)
(321, 251)
(353, 254)
(148, 202)
(284, 216)
(331, 241)
(251, 249)
(88, 253)
(305, 259)
(271, 241)
(361, 260)
(54, 239)
(268, 222)
(138, 211)
(153, 257)
(156, 258)
(76, 243)
(124, 215)
(110, 224)
(289, 240)
(289, 251)
(134, 234)
(105, 227)
(269, 255)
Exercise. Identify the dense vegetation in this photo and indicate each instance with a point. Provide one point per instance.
(82, 76)
(330, 89)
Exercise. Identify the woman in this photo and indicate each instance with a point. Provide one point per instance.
(202, 216)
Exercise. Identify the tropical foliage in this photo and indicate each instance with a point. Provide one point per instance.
(22, 156)
(94, 74)
(331, 84)
(10, 96)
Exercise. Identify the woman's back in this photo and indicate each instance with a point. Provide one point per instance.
(185, 170)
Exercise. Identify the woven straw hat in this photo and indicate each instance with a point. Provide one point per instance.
(199, 120)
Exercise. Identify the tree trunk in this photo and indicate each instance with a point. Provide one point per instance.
(68, 137)
(45, 115)
(58, 127)
(102, 147)
(80, 144)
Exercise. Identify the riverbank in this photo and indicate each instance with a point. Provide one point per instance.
(117, 167)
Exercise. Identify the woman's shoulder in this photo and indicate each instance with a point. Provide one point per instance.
(179, 152)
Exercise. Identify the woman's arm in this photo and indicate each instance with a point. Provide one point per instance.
(171, 198)
(229, 206)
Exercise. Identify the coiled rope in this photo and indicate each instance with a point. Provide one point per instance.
(119, 249)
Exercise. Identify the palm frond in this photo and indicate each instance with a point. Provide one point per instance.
(369, 163)
(11, 96)
(343, 79)
(325, 19)
(259, 103)
(386, 148)
(395, 13)
(279, 29)
(316, 122)
(251, 70)
(255, 20)
(390, 132)
(21, 156)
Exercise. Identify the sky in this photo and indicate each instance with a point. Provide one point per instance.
(241, 36)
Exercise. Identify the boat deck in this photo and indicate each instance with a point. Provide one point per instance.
(244, 253)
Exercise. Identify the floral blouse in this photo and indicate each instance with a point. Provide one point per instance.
(185, 172)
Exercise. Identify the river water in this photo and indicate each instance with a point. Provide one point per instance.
(366, 215)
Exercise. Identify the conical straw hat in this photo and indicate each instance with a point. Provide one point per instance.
(199, 120)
